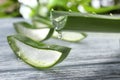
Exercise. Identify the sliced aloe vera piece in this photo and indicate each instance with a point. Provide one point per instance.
(70, 36)
(85, 22)
(37, 54)
(37, 34)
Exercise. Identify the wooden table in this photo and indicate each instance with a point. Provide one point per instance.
(95, 58)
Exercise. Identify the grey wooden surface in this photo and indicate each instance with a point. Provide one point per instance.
(95, 58)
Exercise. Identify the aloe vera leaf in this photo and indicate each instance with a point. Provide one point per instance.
(86, 22)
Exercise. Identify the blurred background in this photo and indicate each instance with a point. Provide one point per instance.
(9, 8)
(29, 8)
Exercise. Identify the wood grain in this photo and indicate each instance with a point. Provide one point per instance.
(95, 58)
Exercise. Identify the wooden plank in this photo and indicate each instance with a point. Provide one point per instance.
(95, 58)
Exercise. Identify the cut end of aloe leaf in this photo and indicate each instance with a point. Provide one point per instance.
(37, 34)
(38, 55)
(70, 36)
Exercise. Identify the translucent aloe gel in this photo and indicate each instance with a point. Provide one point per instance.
(58, 21)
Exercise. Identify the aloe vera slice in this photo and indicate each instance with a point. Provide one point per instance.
(37, 34)
(70, 36)
(37, 54)
(85, 22)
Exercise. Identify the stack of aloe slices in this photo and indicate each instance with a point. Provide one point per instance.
(42, 29)
(29, 44)
(66, 35)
